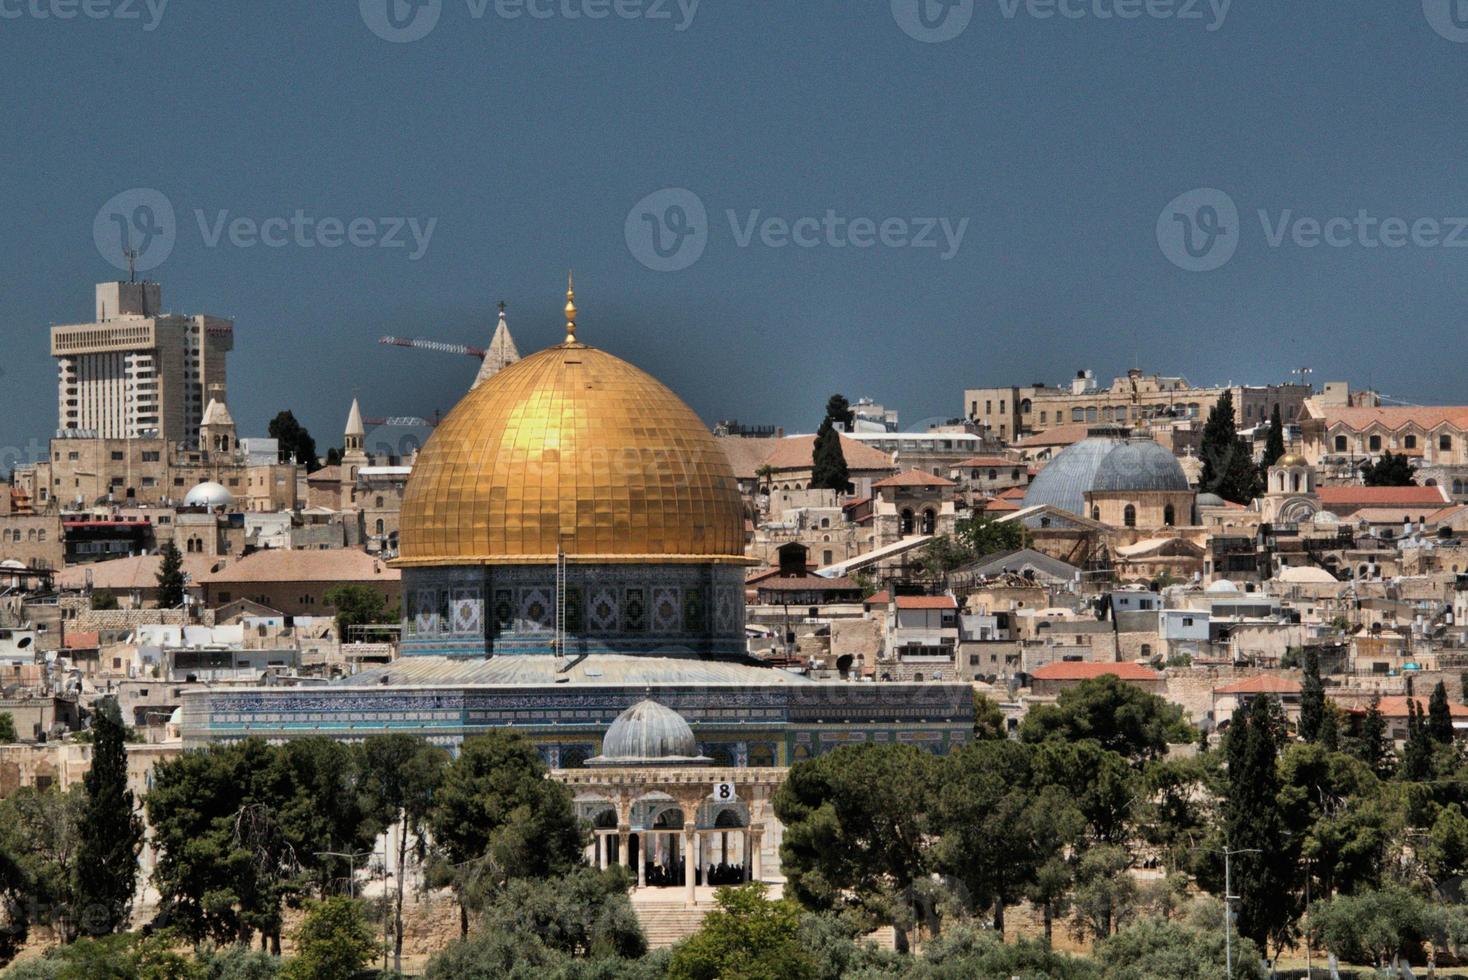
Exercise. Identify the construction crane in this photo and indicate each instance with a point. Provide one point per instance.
(405, 421)
(438, 347)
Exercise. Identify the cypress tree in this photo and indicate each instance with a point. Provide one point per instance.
(171, 578)
(1228, 463)
(1329, 735)
(828, 462)
(1372, 748)
(1312, 698)
(1254, 822)
(1440, 716)
(1275, 447)
(1417, 752)
(110, 831)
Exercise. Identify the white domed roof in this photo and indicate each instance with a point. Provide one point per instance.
(1222, 585)
(209, 494)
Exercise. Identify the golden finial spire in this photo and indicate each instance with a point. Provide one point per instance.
(570, 308)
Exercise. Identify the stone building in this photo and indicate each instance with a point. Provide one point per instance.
(1117, 480)
(912, 503)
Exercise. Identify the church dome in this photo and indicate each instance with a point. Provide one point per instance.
(1137, 466)
(210, 495)
(571, 449)
(1065, 480)
(648, 733)
(1291, 460)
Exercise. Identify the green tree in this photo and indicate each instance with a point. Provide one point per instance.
(400, 774)
(1417, 750)
(295, 442)
(1121, 717)
(359, 605)
(103, 601)
(1254, 825)
(1158, 949)
(40, 843)
(1274, 446)
(1371, 745)
(584, 913)
(7, 728)
(1332, 805)
(497, 817)
(1389, 471)
(969, 951)
(997, 826)
(110, 829)
(749, 937)
(170, 578)
(1381, 927)
(856, 830)
(1312, 698)
(334, 942)
(983, 535)
(839, 411)
(1105, 896)
(941, 556)
(1228, 463)
(1440, 716)
(989, 720)
(1446, 855)
(828, 461)
(765, 473)
(1102, 785)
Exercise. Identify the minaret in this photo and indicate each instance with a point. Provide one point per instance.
(500, 355)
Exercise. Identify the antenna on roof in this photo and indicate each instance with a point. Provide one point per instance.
(132, 263)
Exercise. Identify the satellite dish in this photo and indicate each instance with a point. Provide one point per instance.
(24, 642)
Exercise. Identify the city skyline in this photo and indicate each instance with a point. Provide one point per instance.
(1039, 265)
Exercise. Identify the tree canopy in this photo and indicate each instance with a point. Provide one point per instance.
(1228, 462)
(1121, 717)
(294, 440)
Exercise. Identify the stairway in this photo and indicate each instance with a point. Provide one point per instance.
(665, 924)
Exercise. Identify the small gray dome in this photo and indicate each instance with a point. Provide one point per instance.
(648, 733)
(1064, 481)
(211, 495)
(1211, 500)
(1140, 465)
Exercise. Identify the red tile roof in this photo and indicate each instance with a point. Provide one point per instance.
(794, 453)
(1351, 496)
(1060, 435)
(1396, 707)
(913, 478)
(1066, 670)
(1394, 417)
(1000, 505)
(1263, 684)
(83, 640)
(1014, 493)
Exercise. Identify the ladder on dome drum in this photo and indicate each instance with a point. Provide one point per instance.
(562, 660)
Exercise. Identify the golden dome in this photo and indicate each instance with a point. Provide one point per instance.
(571, 449)
(1291, 459)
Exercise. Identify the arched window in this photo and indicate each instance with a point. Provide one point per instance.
(993, 474)
(1296, 480)
(1025, 406)
(381, 527)
(379, 500)
(825, 522)
(1409, 442)
(1340, 444)
(904, 523)
(1169, 515)
(1095, 513)
(1129, 516)
(1374, 443)
(930, 522)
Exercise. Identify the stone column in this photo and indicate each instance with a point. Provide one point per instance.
(757, 835)
(601, 851)
(624, 834)
(689, 859)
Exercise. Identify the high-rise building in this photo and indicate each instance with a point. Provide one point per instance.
(136, 372)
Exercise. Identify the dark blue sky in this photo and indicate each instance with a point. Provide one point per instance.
(1061, 140)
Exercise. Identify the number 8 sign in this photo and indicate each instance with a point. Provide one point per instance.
(724, 793)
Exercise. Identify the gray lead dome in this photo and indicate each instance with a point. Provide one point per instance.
(648, 733)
